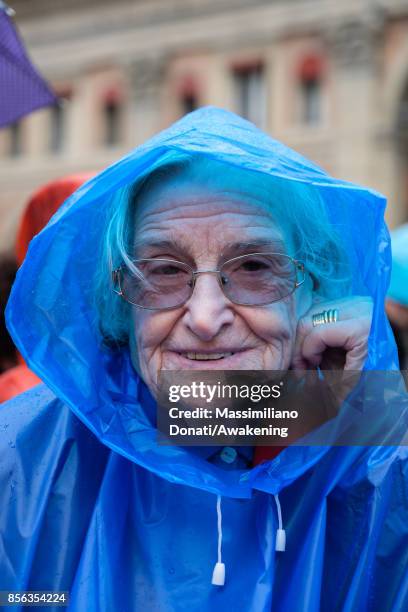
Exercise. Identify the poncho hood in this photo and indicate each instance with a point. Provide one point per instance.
(51, 311)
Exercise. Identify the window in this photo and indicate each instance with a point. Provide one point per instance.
(57, 120)
(310, 101)
(15, 139)
(112, 111)
(250, 92)
(112, 123)
(189, 103)
(58, 117)
(187, 91)
(310, 77)
(112, 116)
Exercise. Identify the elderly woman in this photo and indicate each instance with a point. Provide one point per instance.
(211, 247)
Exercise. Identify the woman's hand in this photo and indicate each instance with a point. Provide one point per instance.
(340, 345)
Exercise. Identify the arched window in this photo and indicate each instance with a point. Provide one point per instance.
(57, 134)
(15, 139)
(112, 116)
(187, 92)
(310, 75)
(250, 91)
(57, 128)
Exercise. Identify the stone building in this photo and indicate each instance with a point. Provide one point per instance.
(328, 78)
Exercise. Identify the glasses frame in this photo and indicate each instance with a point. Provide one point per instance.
(299, 267)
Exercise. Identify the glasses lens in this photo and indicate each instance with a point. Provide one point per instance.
(157, 283)
(259, 279)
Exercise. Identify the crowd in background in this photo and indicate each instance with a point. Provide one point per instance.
(15, 375)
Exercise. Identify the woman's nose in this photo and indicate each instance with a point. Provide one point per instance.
(208, 309)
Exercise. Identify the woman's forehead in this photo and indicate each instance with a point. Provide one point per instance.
(201, 203)
(193, 202)
(219, 222)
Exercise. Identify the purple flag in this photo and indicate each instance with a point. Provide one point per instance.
(22, 89)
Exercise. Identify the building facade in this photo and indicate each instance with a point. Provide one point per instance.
(328, 78)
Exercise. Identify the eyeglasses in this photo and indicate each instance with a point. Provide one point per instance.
(256, 279)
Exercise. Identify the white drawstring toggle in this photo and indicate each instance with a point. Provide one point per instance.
(218, 577)
(280, 542)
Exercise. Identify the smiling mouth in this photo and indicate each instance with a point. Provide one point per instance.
(205, 356)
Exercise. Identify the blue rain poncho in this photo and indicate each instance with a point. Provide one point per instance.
(91, 504)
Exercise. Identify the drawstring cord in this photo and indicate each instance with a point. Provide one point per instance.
(280, 542)
(218, 577)
(219, 528)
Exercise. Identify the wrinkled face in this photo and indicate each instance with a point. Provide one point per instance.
(203, 223)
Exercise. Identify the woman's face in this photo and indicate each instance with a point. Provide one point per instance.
(203, 224)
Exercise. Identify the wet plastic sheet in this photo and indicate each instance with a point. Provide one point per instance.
(91, 504)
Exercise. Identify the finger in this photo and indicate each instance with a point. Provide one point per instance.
(323, 337)
(356, 310)
(356, 357)
(351, 336)
(305, 327)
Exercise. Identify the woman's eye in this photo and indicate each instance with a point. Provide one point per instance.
(254, 266)
(168, 270)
